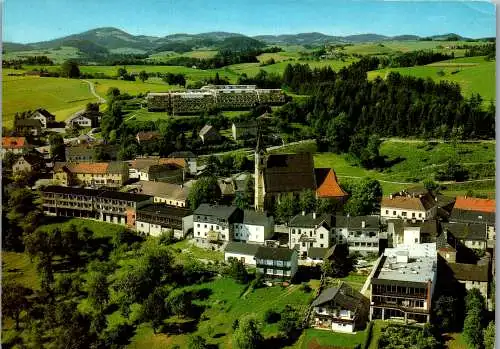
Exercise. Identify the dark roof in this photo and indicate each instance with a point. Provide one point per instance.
(356, 222)
(467, 231)
(216, 210)
(317, 252)
(308, 221)
(161, 168)
(255, 218)
(241, 248)
(32, 158)
(430, 227)
(45, 113)
(289, 173)
(28, 123)
(274, 253)
(444, 200)
(96, 193)
(469, 216)
(165, 211)
(469, 272)
(344, 296)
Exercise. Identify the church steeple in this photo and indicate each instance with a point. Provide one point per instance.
(260, 153)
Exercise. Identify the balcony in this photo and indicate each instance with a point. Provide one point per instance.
(399, 294)
(419, 310)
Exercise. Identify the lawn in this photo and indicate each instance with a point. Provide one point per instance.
(328, 338)
(18, 267)
(58, 56)
(473, 75)
(132, 87)
(456, 341)
(100, 229)
(224, 305)
(59, 96)
(189, 250)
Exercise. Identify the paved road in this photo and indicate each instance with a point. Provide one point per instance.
(100, 100)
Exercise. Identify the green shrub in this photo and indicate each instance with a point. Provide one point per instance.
(271, 316)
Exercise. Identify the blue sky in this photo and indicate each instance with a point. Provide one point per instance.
(37, 20)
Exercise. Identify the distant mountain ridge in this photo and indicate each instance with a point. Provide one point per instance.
(107, 39)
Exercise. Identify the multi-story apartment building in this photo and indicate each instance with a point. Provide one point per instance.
(340, 309)
(214, 223)
(310, 230)
(418, 205)
(403, 282)
(408, 233)
(220, 96)
(93, 174)
(107, 206)
(155, 219)
(276, 262)
(362, 233)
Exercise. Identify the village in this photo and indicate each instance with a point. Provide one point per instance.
(413, 241)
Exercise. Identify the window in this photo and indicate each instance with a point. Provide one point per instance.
(416, 240)
(303, 244)
(198, 225)
(321, 245)
(310, 234)
(413, 214)
(293, 241)
(420, 215)
(321, 237)
(403, 213)
(393, 213)
(205, 225)
(386, 211)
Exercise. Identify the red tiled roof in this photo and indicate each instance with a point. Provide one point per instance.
(475, 204)
(81, 167)
(13, 142)
(326, 183)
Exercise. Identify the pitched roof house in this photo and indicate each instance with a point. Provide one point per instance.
(339, 309)
(32, 126)
(15, 145)
(475, 210)
(209, 134)
(111, 174)
(420, 206)
(43, 116)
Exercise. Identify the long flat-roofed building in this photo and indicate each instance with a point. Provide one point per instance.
(105, 205)
(210, 96)
(403, 284)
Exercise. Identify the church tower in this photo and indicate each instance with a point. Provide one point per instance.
(260, 161)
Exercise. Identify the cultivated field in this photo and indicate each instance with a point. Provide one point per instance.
(59, 96)
(473, 74)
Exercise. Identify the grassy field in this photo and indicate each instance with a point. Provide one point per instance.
(456, 341)
(328, 338)
(473, 74)
(222, 307)
(59, 96)
(18, 267)
(188, 250)
(58, 56)
(132, 87)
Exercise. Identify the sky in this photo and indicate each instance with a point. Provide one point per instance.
(27, 21)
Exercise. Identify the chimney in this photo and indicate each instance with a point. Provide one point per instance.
(303, 213)
(314, 215)
(363, 224)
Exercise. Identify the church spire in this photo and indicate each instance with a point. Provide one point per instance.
(260, 142)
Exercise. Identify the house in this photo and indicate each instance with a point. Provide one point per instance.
(309, 230)
(209, 134)
(168, 172)
(471, 235)
(327, 185)
(176, 168)
(316, 255)
(412, 232)
(277, 174)
(475, 210)
(340, 309)
(472, 276)
(30, 162)
(214, 224)
(419, 205)
(107, 174)
(154, 219)
(82, 153)
(164, 193)
(361, 233)
(276, 262)
(244, 130)
(188, 157)
(104, 205)
(15, 145)
(44, 117)
(403, 283)
(28, 126)
(83, 119)
(255, 227)
(241, 251)
(147, 136)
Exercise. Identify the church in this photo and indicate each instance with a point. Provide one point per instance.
(277, 174)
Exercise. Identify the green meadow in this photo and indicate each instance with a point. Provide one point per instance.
(60, 96)
(473, 74)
